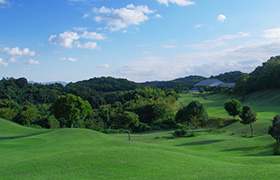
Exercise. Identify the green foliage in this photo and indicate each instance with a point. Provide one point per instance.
(274, 130)
(228, 77)
(126, 120)
(180, 133)
(194, 114)
(178, 84)
(248, 116)
(70, 109)
(263, 77)
(27, 115)
(233, 107)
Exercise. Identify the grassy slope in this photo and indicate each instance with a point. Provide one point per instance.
(86, 154)
(265, 103)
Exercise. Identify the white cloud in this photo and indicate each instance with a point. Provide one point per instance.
(92, 35)
(101, 10)
(12, 60)
(117, 19)
(178, 2)
(79, 28)
(3, 63)
(244, 58)
(17, 52)
(219, 42)
(104, 66)
(158, 16)
(272, 33)
(198, 26)
(64, 39)
(221, 18)
(87, 45)
(70, 59)
(32, 61)
(4, 3)
(85, 15)
(69, 39)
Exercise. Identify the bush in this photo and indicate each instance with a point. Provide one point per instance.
(276, 150)
(180, 133)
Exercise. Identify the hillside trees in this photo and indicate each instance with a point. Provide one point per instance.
(263, 77)
(70, 109)
(194, 114)
(233, 107)
(248, 116)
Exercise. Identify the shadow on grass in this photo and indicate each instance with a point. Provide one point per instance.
(18, 137)
(200, 143)
(267, 150)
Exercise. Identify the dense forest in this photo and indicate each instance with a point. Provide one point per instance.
(119, 104)
(110, 104)
(263, 77)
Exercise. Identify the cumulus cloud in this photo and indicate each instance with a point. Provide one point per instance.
(69, 39)
(70, 59)
(32, 61)
(65, 39)
(3, 63)
(221, 18)
(87, 45)
(92, 35)
(117, 19)
(178, 2)
(17, 52)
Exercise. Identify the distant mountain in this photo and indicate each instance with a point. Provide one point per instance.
(48, 83)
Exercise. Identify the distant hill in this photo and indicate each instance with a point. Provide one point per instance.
(228, 77)
(263, 77)
(180, 82)
(189, 81)
(107, 84)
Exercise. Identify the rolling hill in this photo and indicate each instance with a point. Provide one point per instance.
(86, 154)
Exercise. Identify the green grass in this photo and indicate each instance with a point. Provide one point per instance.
(87, 154)
(265, 103)
(214, 104)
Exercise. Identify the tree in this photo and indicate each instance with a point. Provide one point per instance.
(70, 108)
(233, 107)
(193, 114)
(274, 130)
(248, 116)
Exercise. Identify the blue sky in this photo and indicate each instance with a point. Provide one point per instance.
(72, 40)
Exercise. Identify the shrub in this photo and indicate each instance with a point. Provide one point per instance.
(180, 133)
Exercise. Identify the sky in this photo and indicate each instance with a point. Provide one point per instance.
(140, 40)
